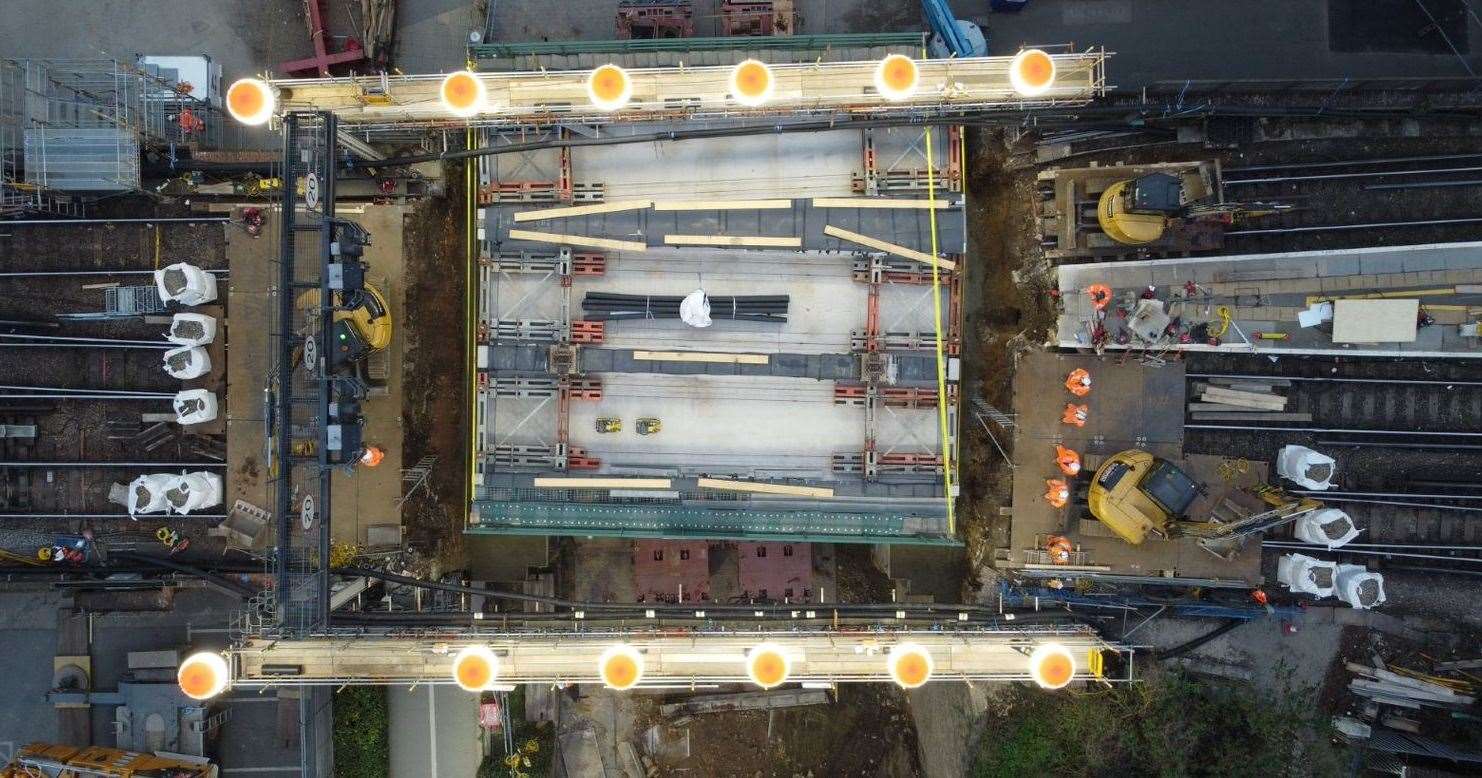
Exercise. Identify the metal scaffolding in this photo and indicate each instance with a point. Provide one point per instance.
(79, 126)
(949, 87)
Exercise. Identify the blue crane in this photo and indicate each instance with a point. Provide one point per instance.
(950, 36)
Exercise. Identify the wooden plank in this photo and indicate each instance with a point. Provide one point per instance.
(734, 240)
(578, 240)
(889, 248)
(721, 205)
(1271, 402)
(581, 210)
(1250, 416)
(1232, 382)
(880, 202)
(702, 356)
(601, 483)
(765, 488)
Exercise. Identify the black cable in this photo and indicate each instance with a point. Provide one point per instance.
(221, 583)
(1190, 645)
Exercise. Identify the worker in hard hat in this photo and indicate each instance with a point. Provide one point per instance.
(1075, 414)
(372, 456)
(1057, 492)
(1100, 295)
(1059, 548)
(1068, 460)
(1078, 382)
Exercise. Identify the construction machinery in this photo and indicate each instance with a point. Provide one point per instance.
(42, 759)
(1140, 211)
(1136, 494)
(607, 424)
(649, 426)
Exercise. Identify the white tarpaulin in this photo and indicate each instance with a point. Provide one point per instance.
(694, 309)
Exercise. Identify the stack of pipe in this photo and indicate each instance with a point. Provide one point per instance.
(605, 306)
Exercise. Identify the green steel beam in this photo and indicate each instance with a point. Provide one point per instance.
(672, 521)
(792, 42)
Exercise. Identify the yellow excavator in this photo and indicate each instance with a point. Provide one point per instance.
(1139, 211)
(1136, 494)
(367, 317)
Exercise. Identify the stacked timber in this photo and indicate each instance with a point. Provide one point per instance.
(1408, 689)
(1228, 399)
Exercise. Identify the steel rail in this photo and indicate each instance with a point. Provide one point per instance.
(1375, 161)
(1331, 227)
(1248, 428)
(1390, 494)
(1368, 552)
(1333, 176)
(1256, 379)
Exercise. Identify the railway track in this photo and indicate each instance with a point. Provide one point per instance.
(1407, 436)
(1419, 198)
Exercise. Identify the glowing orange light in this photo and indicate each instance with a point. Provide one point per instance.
(752, 83)
(462, 93)
(910, 665)
(896, 77)
(1032, 72)
(609, 87)
(620, 667)
(250, 101)
(1052, 666)
(768, 665)
(475, 668)
(203, 676)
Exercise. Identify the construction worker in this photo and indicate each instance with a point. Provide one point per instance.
(1075, 414)
(1079, 382)
(1059, 548)
(372, 456)
(1057, 492)
(1068, 460)
(1100, 295)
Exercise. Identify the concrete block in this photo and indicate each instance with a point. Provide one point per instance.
(1429, 260)
(1375, 264)
(1339, 266)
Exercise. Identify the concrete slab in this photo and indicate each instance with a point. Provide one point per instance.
(250, 305)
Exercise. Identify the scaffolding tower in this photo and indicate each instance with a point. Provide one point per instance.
(72, 128)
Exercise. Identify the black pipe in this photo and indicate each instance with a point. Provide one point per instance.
(1190, 645)
(220, 583)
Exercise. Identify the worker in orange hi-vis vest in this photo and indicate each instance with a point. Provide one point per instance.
(372, 456)
(1059, 548)
(1068, 460)
(1100, 295)
(1078, 382)
(1057, 492)
(1075, 414)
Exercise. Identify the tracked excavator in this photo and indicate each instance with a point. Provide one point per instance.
(1136, 494)
(1139, 211)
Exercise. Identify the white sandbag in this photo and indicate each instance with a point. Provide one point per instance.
(195, 406)
(694, 309)
(1301, 574)
(194, 491)
(1326, 527)
(185, 283)
(147, 493)
(191, 329)
(187, 362)
(1306, 467)
(1360, 588)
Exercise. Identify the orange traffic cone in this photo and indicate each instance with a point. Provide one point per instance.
(372, 456)
(1075, 414)
(1078, 382)
(1057, 492)
(1068, 460)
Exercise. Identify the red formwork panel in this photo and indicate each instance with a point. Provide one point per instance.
(776, 571)
(665, 570)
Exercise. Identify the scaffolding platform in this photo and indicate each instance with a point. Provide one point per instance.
(1130, 405)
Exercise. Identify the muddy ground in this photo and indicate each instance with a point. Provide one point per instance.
(435, 398)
